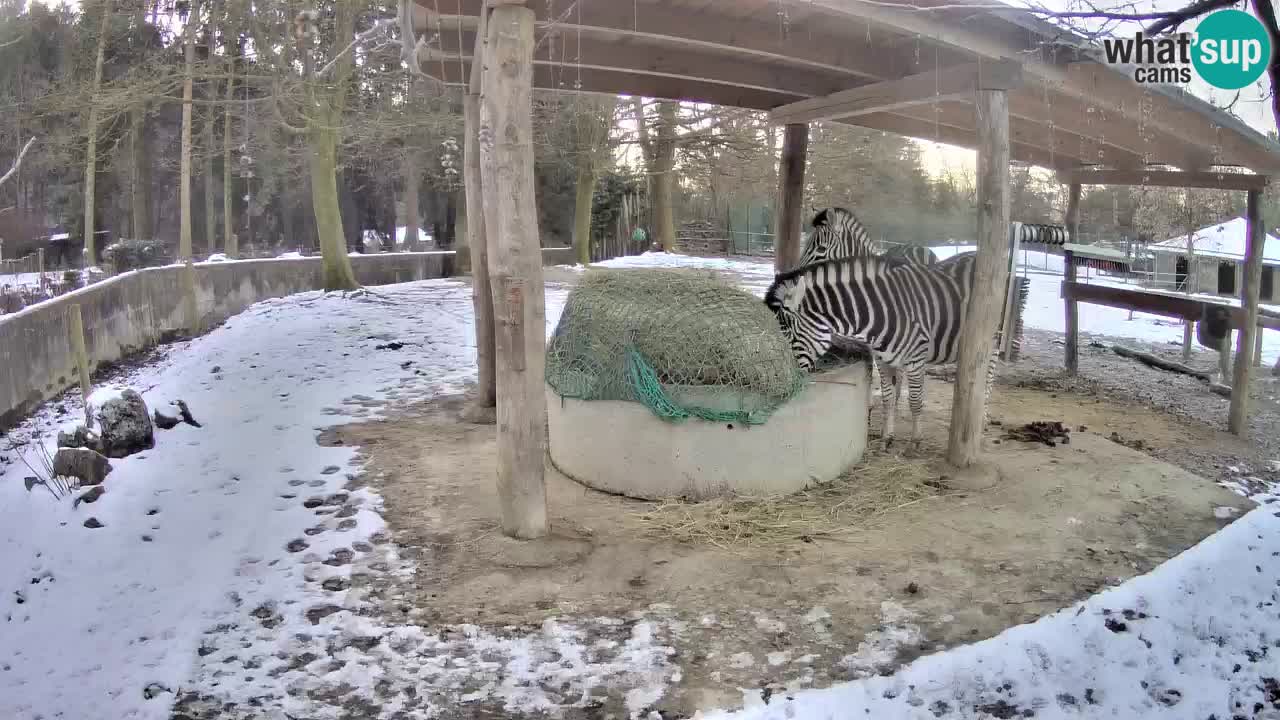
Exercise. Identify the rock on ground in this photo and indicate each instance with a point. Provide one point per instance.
(88, 466)
(125, 425)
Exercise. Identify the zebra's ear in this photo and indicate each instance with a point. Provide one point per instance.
(795, 293)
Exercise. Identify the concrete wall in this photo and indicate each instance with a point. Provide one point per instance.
(813, 438)
(137, 310)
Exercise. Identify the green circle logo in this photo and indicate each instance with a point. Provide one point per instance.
(1232, 49)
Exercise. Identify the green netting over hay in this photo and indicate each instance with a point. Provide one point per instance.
(683, 343)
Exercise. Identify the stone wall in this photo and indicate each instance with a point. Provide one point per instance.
(134, 311)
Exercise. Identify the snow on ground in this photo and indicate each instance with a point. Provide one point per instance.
(1199, 637)
(208, 533)
(209, 530)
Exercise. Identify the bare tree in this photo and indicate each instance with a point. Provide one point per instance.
(91, 151)
(17, 163)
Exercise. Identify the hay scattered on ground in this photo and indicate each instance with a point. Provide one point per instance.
(877, 487)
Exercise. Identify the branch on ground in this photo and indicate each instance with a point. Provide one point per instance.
(18, 162)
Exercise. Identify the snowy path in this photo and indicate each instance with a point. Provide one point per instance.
(210, 530)
(90, 617)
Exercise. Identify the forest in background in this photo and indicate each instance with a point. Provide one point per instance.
(125, 97)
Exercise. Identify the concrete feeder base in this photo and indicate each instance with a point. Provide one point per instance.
(622, 447)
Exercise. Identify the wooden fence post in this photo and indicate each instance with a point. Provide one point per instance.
(40, 265)
(1238, 415)
(982, 312)
(795, 152)
(511, 224)
(1072, 348)
(75, 326)
(477, 238)
(190, 310)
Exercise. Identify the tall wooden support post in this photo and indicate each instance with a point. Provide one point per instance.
(75, 330)
(1238, 417)
(511, 223)
(982, 314)
(1072, 360)
(481, 293)
(795, 153)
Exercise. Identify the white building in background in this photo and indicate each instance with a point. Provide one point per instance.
(1218, 266)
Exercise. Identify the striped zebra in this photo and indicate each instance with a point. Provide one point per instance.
(918, 254)
(837, 233)
(909, 315)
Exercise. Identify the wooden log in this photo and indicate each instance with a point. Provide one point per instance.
(478, 249)
(511, 226)
(795, 151)
(1216, 387)
(75, 329)
(982, 313)
(1072, 348)
(1238, 416)
(1160, 363)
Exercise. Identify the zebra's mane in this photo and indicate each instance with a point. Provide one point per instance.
(826, 215)
(870, 267)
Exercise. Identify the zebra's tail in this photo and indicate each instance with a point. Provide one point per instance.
(1019, 308)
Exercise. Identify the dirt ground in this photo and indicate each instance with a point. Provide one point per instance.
(1035, 530)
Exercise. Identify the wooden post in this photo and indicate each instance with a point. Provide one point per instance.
(75, 327)
(795, 153)
(1238, 416)
(1072, 360)
(982, 313)
(40, 266)
(511, 224)
(477, 245)
(1257, 345)
(190, 312)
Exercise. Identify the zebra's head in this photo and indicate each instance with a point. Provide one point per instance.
(808, 334)
(836, 233)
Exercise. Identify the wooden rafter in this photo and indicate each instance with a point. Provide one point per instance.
(951, 83)
(1166, 178)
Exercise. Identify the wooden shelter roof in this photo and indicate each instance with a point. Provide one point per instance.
(888, 65)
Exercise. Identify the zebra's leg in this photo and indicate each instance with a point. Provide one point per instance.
(890, 379)
(915, 397)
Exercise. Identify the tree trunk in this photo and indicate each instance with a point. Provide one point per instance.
(582, 209)
(327, 103)
(231, 245)
(210, 218)
(140, 192)
(91, 149)
(412, 215)
(664, 179)
(324, 204)
(184, 187)
(1193, 277)
(511, 220)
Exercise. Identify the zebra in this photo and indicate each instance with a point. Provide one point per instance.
(918, 254)
(837, 233)
(909, 315)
